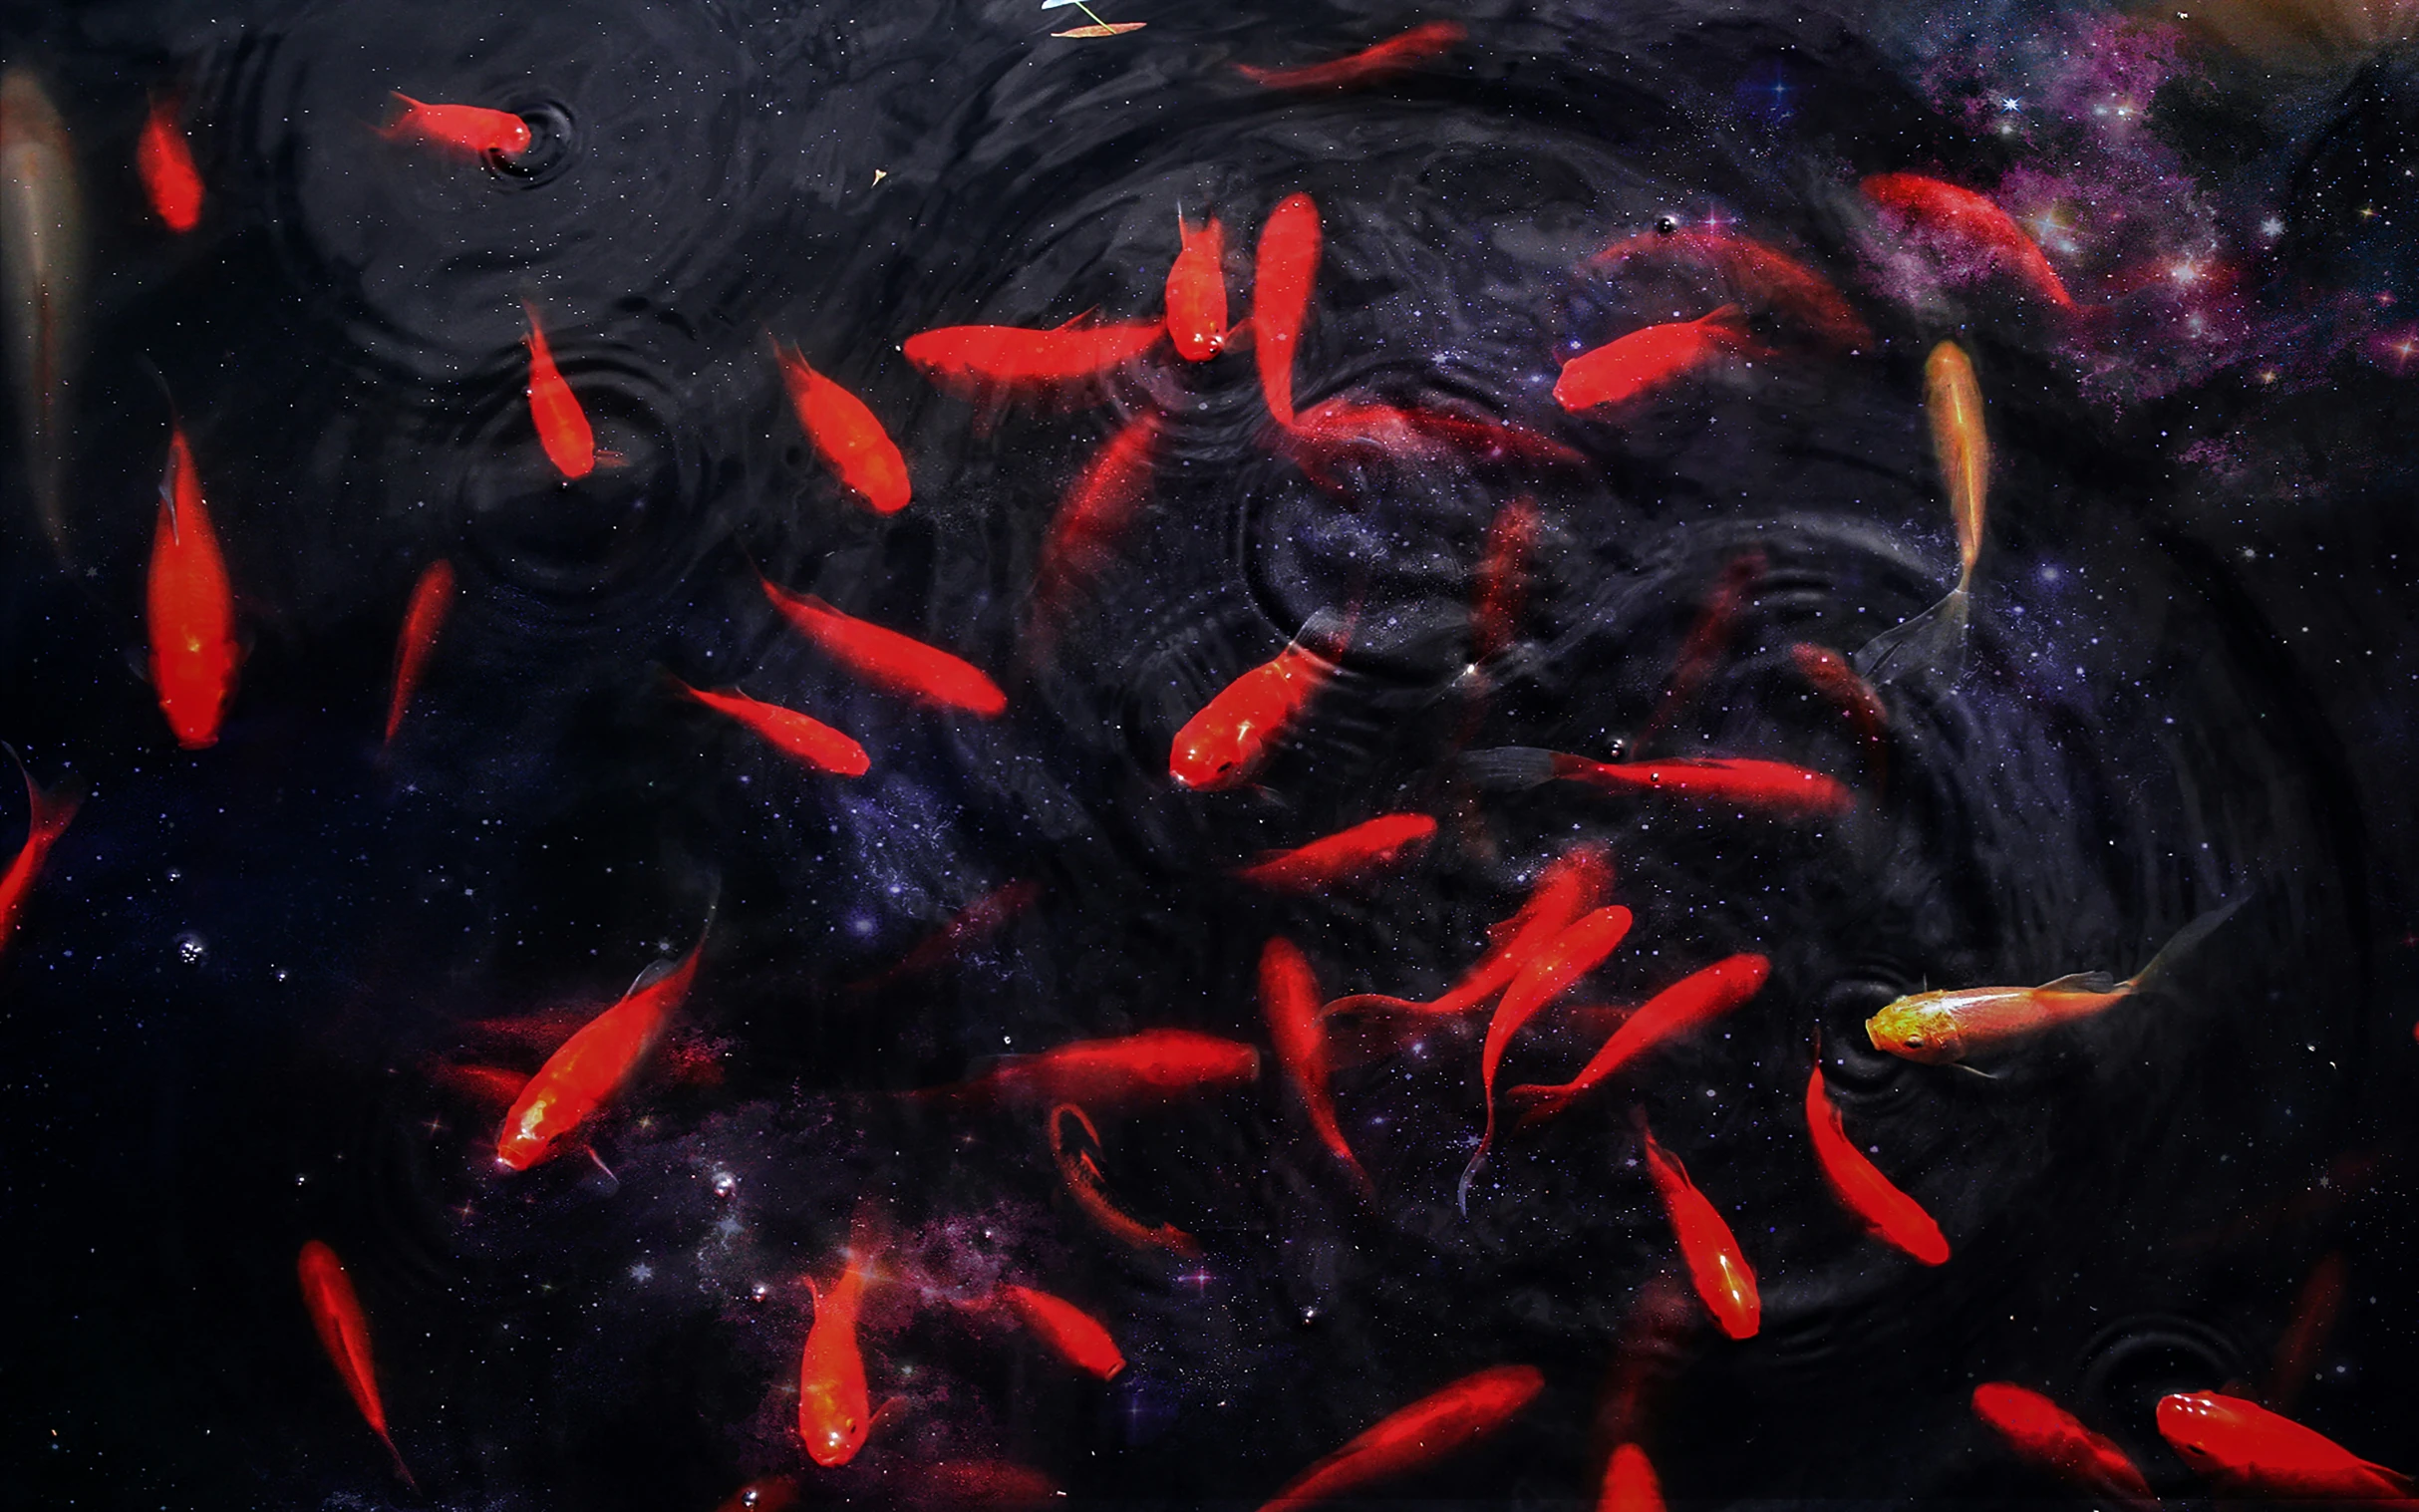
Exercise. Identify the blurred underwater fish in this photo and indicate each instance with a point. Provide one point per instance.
(2047, 1435)
(1630, 1483)
(1414, 1437)
(1131, 1070)
(164, 162)
(1499, 584)
(190, 610)
(1377, 61)
(42, 252)
(1074, 1146)
(2247, 1451)
(1285, 269)
(1349, 855)
(1831, 675)
(846, 434)
(432, 601)
(1708, 641)
(47, 815)
(1071, 1334)
(562, 425)
(1289, 1005)
(1773, 787)
(594, 1065)
(1570, 885)
(1974, 222)
(1098, 508)
(968, 927)
(1757, 277)
(344, 1333)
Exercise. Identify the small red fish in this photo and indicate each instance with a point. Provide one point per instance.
(765, 1493)
(2247, 1451)
(1708, 643)
(1630, 1484)
(1500, 585)
(592, 1066)
(167, 166)
(890, 661)
(1196, 291)
(1756, 275)
(1378, 61)
(1085, 1182)
(1096, 511)
(1718, 1271)
(976, 362)
(464, 127)
(834, 1411)
(1072, 1333)
(1289, 1002)
(1553, 971)
(562, 425)
(47, 816)
(1648, 360)
(1835, 679)
(1573, 883)
(343, 1331)
(1972, 220)
(1418, 1435)
(432, 601)
(810, 740)
(192, 608)
(1890, 1214)
(1774, 788)
(1349, 855)
(1134, 1070)
(976, 922)
(1681, 1009)
(1232, 737)
(845, 434)
(2046, 1435)
(1283, 271)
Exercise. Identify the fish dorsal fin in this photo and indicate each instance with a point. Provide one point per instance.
(2082, 982)
(1729, 316)
(656, 971)
(1075, 322)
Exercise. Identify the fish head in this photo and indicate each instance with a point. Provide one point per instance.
(833, 1430)
(525, 1139)
(1211, 753)
(2199, 1424)
(1919, 1028)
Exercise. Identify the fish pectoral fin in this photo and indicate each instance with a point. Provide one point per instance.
(890, 1411)
(2082, 982)
(1971, 1071)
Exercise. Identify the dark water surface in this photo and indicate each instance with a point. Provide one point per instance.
(237, 1008)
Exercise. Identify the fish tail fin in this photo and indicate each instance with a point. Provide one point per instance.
(47, 809)
(1932, 641)
(1470, 1173)
(1508, 769)
(2182, 944)
(1536, 1105)
(396, 1454)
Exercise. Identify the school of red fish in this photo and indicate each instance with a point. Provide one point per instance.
(1777, 309)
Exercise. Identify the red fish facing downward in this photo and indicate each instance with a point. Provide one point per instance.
(2054, 1439)
(469, 129)
(47, 816)
(1557, 969)
(167, 166)
(192, 608)
(1289, 1001)
(1196, 291)
(888, 660)
(845, 433)
(1570, 885)
(1888, 1213)
(1232, 737)
(562, 425)
(1681, 1009)
(1645, 360)
(592, 1066)
(834, 1411)
(343, 1331)
(1418, 1435)
(1718, 1271)
(1501, 584)
(1286, 267)
(2247, 1451)
(432, 601)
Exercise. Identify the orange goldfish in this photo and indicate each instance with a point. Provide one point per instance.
(343, 1331)
(834, 1411)
(1681, 1009)
(1718, 1271)
(1418, 1435)
(1890, 1214)
(1974, 222)
(1377, 61)
(890, 661)
(1774, 788)
(1072, 1333)
(1573, 883)
(976, 362)
(193, 611)
(1553, 971)
(167, 167)
(464, 127)
(562, 425)
(1196, 291)
(845, 432)
(1348, 856)
(1085, 1182)
(1289, 1001)
(1648, 360)
(810, 740)
(1286, 267)
(1235, 734)
(1630, 1484)
(2046, 1435)
(1132, 1071)
(47, 816)
(1953, 402)
(593, 1064)
(2247, 1451)
(432, 601)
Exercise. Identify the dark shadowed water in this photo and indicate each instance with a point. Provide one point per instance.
(266, 992)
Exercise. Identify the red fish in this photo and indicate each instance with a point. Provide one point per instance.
(562, 425)
(1082, 1172)
(1708, 643)
(1232, 737)
(432, 601)
(592, 1066)
(1972, 221)
(890, 661)
(1418, 1435)
(1289, 1001)
(1096, 511)
(1630, 1484)
(1501, 581)
(47, 816)
(976, 922)
(1838, 682)
(2046, 1435)
(845, 432)
(1553, 971)
(767, 1493)
(1196, 291)
(1343, 429)
(167, 166)
(192, 608)
(1072, 1333)
(1285, 269)
(1754, 274)
(2247, 1451)
(834, 1411)
(976, 362)
(1141, 1069)
(810, 740)
(1890, 1214)
(1372, 846)
(1681, 1009)
(1648, 360)
(1774, 788)
(343, 1331)
(1392, 56)
(1572, 884)
(464, 127)
(1715, 1266)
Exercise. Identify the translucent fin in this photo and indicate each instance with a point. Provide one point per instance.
(2082, 982)
(2176, 949)
(1933, 641)
(1508, 769)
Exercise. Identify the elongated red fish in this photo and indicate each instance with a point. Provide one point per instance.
(1680, 1010)
(810, 740)
(591, 1066)
(1890, 1214)
(167, 166)
(2047, 1435)
(432, 601)
(1500, 585)
(846, 434)
(1377, 61)
(469, 129)
(1553, 971)
(890, 661)
(1573, 883)
(562, 425)
(1717, 1268)
(1289, 1002)
(1286, 267)
(1096, 513)
(1773, 787)
(1836, 681)
(1972, 220)
(343, 1331)
(1755, 275)
(192, 608)
(1134, 1070)
(1196, 291)
(968, 927)
(1074, 1146)
(1342, 430)
(2243, 1450)
(1630, 1483)
(1074, 1335)
(47, 816)
(1232, 737)
(1648, 360)
(1349, 855)
(1418, 1435)
(834, 1411)
(978, 362)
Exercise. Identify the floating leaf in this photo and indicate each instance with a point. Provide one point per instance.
(1118, 29)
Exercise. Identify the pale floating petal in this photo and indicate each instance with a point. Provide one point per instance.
(1117, 29)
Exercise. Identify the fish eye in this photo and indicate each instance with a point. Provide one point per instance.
(1914, 1041)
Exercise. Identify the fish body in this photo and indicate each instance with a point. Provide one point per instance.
(1097, 512)
(1838, 682)
(1341, 430)
(1888, 1213)
(2047, 1435)
(1756, 275)
(1681, 1009)
(969, 926)
(191, 608)
(1499, 586)
(1774, 788)
(562, 425)
(1289, 1004)
(1972, 221)
(1572, 884)
(1377, 61)
(1074, 1335)
(834, 1411)
(1553, 971)
(1089, 1186)
(1349, 855)
(1630, 1483)
(1233, 736)
(590, 1067)
(432, 601)
(976, 362)
(846, 434)
(1132, 1071)
(1196, 291)
(2247, 1451)
(1648, 359)
(1716, 1267)
(810, 740)
(344, 1333)
(165, 163)
(1285, 268)
(1418, 1435)
(1960, 445)
(469, 129)
(42, 253)
(890, 661)
(47, 818)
